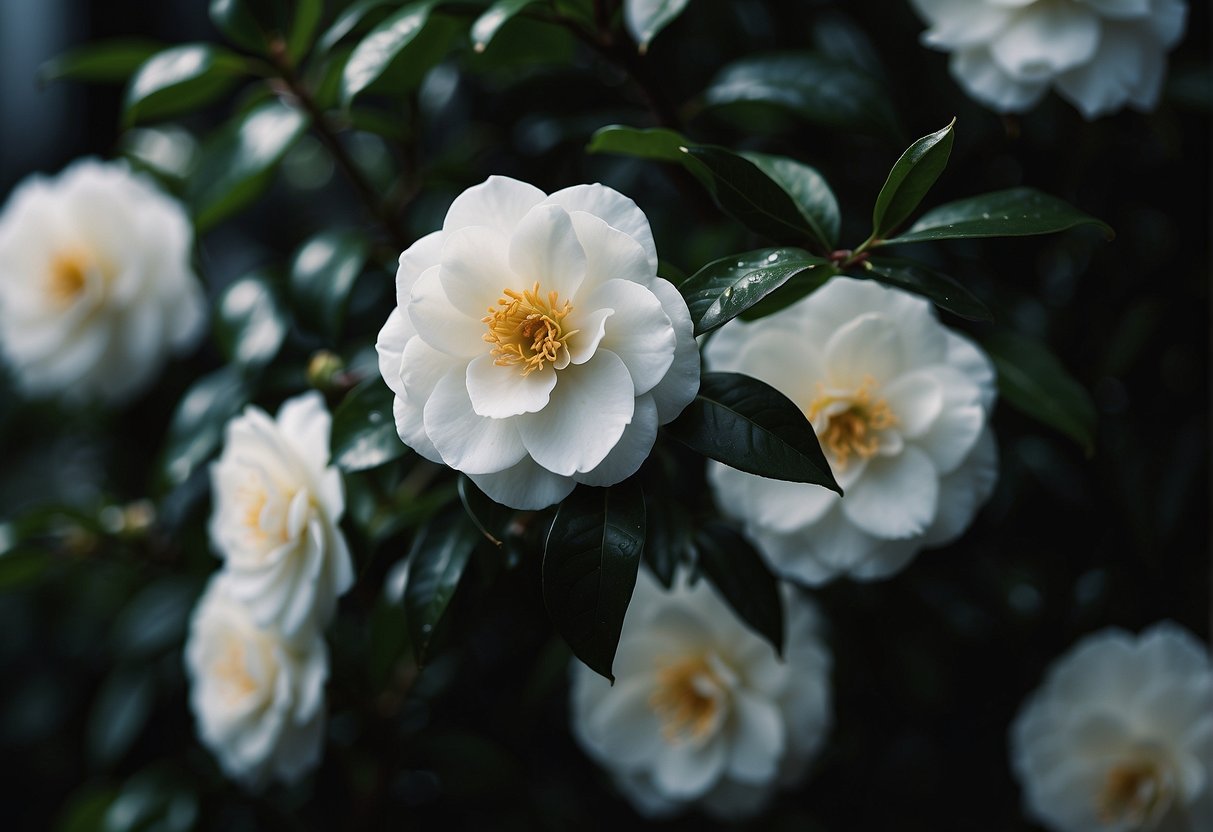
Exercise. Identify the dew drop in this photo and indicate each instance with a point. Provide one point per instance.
(771, 258)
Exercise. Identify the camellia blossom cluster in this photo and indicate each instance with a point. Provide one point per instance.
(256, 655)
(901, 407)
(703, 713)
(1098, 54)
(1120, 735)
(96, 285)
(533, 346)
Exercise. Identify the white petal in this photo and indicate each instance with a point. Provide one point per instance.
(526, 486)
(686, 770)
(640, 333)
(964, 490)
(305, 424)
(1168, 21)
(757, 738)
(620, 212)
(780, 506)
(544, 247)
(610, 254)
(499, 203)
(590, 330)
(589, 408)
(897, 496)
(976, 71)
(468, 442)
(916, 399)
(503, 391)
(866, 347)
(965, 356)
(624, 726)
(681, 382)
(414, 260)
(475, 270)
(440, 323)
(951, 436)
(960, 23)
(389, 346)
(1048, 39)
(421, 367)
(630, 451)
(1120, 8)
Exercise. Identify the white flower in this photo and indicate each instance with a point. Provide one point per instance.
(1098, 54)
(258, 697)
(583, 351)
(95, 282)
(277, 503)
(703, 712)
(1120, 736)
(900, 405)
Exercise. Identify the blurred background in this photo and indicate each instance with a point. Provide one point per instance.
(930, 666)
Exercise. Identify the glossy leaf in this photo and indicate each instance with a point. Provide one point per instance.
(490, 517)
(497, 15)
(646, 18)
(243, 22)
(364, 429)
(1034, 382)
(348, 20)
(809, 191)
(385, 46)
(945, 292)
(667, 536)
(1017, 212)
(119, 713)
(304, 24)
(589, 568)
(743, 579)
(250, 323)
(196, 429)
(180, 79)
(749, 425)
(911, 177)
(322, 275)
(650, 143)
(107, 60)
(436, 564)
(725, 288)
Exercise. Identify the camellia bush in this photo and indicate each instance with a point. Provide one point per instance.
(542, 414)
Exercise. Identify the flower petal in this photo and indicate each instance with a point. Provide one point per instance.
(500, 392)
(959, 23)
(624, 726)
(525, 486)
(641, 333)
(499, 203)
(468, 442)
(617, 210)
(897, 496)
(1045, 40)
(305, 424)
(953, 433)
(630, 451)
(686, 770)
(441, 324)
(389, 346)
(545, 248)
(475, 270)
(866, 347)
(757, 738)
(976, 71)
(591, 329)
(916, 399)
(681, 382)
(963, 491)
(421, 255)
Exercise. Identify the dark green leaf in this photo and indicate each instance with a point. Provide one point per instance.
(808, 190)
(749, 425)
(646, 18)
(364, 429)
(497, 15)
(1034, 382)
(667, 536)
(243, 22)
(386, 46)
(725, 288)
(436, 563)
(196, 429)
(106, 60)
(308, 14)
(1017, 212)
(814, 87)
(180, 79)
(945, 292)
(589, 568)
(250, 323)
(742, 577)
(651, 143)
(155, 620)
(910, 179)
(119, 712)
(348, 21)
(20, 568)
(490, 517)
(322, 274)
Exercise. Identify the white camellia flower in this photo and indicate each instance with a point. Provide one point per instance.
(277, 503)
(1120, 736)
(1098, 54)
(95, 282)
(703, 712)
(533, 346)
(258, 696)
(900, 405)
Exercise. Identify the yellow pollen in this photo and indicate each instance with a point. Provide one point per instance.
(1132, 791)
(526, 328)
(252, 515)
(852, 429)
(68, 274)
(682, 705)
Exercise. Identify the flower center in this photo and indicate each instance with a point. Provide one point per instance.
(688, 698)
(1133, 791)
(231, 669)
(68, 274)
(848, 423)
(527, 329)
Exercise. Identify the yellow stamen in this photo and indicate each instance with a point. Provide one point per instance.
(232, 669)
(680, 700)
(527, 329)
(852, 429)
(68, 275)
(1132, 791)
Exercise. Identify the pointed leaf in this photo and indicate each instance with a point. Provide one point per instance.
(749, 425)
(196, 428)
(497, 15)
(347, 21)
(364, 429)
(386, 46)
(646, 18)
(910, 179)
(589, 568)
(436, 563)
(667, 536)
(180, 79)
(808, 190)
(743, 579)
(107, 60)
(490, 517)
(945, 292)
(1017, 212)
(250, 324)
(322, 274)
(650, 143)
(308, 14)
(725, 288)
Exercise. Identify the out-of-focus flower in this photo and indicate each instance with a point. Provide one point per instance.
(95, 282)
(277, 503)
(1120, 736)
(1098, 54)
(258, 697)
(900, 405)
(703, 712)
(533, 346)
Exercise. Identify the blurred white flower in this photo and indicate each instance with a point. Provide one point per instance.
(95, 282)
(583, 351)
(1098, 54)
(277, 504)
(703, 712)
(900, 405)
(258, 697)
(1120, 736)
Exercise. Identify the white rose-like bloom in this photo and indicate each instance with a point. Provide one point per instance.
(1120, 736)
(1098, 54)
(900, 405)
(703, 713)
(277, 504)
(258, 696)
(95, 282)
(533, 346)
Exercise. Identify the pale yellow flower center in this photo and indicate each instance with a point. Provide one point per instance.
(68, 275)
(687, 698)
(851, 422)
(1133, 791)
(527, 329)
(231, 669)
